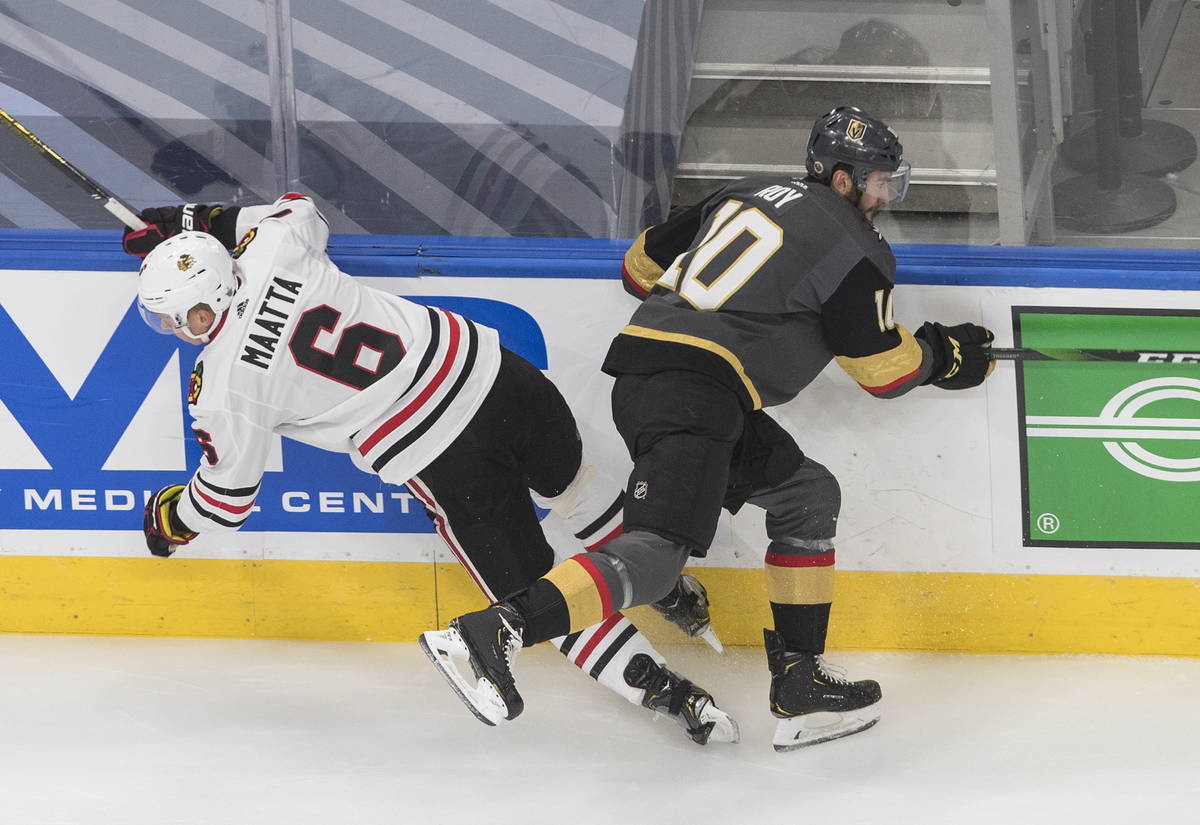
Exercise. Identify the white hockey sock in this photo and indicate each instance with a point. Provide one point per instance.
(603, 650)
(590, 506)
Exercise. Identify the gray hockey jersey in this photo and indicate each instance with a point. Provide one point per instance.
(760, 286)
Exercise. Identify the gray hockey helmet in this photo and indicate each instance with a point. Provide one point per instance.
(850, 136)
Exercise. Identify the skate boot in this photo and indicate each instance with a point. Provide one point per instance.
(488, 639)
(812, 699)
(686, 607)
(688, 704)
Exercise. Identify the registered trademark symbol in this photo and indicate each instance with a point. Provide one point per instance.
(1048, 523)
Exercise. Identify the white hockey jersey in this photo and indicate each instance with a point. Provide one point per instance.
(306, 352)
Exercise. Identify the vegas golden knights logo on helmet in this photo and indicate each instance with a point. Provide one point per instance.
(856, 130)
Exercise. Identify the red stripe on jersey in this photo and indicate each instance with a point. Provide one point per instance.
(889, 387)
(292, 196)
(438, 379)
(633, 285)
(597, 637)
(781, 560)
(220, 505)
(439, 524)
(598, 580)
(616, 531)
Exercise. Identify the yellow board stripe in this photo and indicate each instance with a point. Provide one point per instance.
(579, 591)
(799, 585)
(396, 601)
(218, 597)
(704, 344)
(978, 612)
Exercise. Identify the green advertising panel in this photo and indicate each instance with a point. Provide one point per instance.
(1110, 451)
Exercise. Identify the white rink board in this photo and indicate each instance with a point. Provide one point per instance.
(930, 481)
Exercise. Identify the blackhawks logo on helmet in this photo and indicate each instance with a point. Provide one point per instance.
(185, 262)
(196, 382)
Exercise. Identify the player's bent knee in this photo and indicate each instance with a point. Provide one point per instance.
(646, 564)
(808, 510)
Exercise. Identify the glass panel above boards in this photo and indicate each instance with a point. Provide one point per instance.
(980, 92)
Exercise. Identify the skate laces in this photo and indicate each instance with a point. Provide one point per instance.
(835, 673)
(512, 641)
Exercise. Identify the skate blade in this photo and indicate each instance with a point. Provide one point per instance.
(709, 635)
(481, 698)
(815, 728)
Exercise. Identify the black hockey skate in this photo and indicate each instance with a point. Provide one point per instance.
(688, 704)
(489, 639)
(686, 607)
(813, 701)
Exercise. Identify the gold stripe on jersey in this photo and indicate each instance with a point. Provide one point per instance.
(578, 589)
(710, 346)
(799, 585)
(884, 371)
(640, 267)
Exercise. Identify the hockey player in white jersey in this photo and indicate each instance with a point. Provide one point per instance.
(414, 394)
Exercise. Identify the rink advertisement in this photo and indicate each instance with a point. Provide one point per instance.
(1110, 451)
(973, 520)
(87, 456)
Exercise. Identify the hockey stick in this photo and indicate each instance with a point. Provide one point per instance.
(88, 185)
(1103, 355)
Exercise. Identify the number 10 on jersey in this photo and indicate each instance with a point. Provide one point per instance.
(690, 274)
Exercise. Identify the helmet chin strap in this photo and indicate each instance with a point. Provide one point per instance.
(203, 337)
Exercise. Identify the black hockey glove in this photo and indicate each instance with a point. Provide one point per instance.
(962, 354)
(164, 221)
(164, 531)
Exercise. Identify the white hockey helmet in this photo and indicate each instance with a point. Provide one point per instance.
(184, 270)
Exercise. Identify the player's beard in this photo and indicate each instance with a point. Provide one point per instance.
(855, 198)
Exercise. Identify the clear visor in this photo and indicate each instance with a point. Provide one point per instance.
(889, 187)
(161, 323)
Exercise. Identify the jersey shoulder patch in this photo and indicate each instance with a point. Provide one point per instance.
(237, 251)
(196, 382)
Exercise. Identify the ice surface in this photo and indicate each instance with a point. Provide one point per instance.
(158, 731)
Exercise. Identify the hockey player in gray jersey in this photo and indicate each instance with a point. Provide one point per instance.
(748, 295)
(415, 394)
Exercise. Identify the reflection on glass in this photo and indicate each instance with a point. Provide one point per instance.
(981, 92)
(915, 65)
(458, 118)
